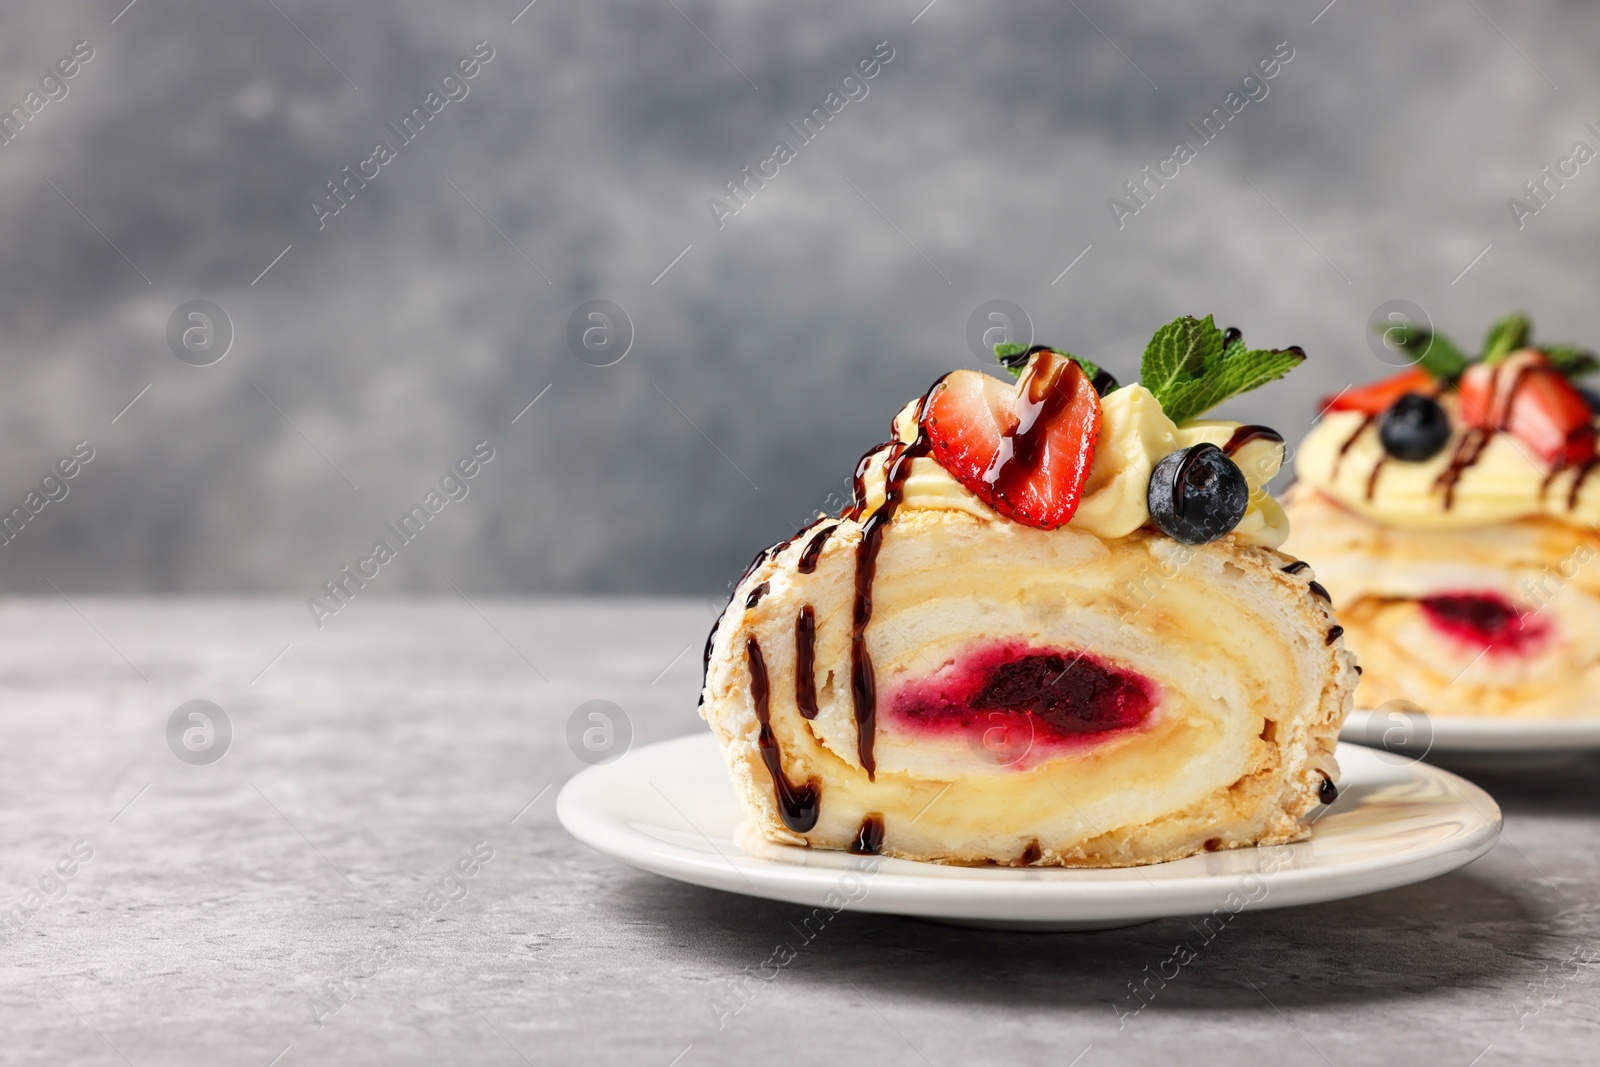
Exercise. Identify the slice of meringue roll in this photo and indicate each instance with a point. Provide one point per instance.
(941, 674)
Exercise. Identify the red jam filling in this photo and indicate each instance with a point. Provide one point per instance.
(1015, 698)
(1486, 621)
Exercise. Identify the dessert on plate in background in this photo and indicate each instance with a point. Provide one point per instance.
(1054, 628)
(1450, 510)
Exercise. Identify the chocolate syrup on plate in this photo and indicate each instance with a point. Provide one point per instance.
(797, 805)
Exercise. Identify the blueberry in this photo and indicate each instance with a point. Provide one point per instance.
(1414, 428)
(1197, 494)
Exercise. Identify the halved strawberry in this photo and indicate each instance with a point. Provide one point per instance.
(1525, 395)
(1485, 388)
(1024, 450)
(1374, 398)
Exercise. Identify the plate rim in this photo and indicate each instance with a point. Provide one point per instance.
(1487, 734)
(1039, 895)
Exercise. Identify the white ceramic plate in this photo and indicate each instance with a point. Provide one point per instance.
(1418, 735)
(669, 808)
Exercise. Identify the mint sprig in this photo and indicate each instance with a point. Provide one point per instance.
(1191, 366)
(1441, 358)
(1506, 336)
(1571, 360)
(1433, 352)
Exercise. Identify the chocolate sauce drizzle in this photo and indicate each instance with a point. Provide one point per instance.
(813, 550)
(1334, 635)
(1315, 588)
(797, 805)
(869, 839)
(1372, 479)
(1468, 451)
(1338, 458)
(1503, 412)
(1327, 792)
(756, 594)
(1180, 475)
(1022, 446)
(858, 482)
(1470, 448)
(1031, 854)
(1578, 480)
(805, 662)
(1245, 434)
(705, 657)
(863, 684)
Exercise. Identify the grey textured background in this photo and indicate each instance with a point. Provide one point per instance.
(776, 349)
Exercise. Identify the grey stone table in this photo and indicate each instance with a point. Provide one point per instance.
(373, 873)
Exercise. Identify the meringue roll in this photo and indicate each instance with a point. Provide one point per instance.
(1463, 566)
(942, 673)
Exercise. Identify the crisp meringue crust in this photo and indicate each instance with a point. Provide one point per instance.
(1236, 751)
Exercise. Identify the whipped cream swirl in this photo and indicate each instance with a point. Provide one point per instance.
(1480, 477)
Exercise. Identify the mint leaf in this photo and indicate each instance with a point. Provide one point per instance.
(1179, 352)
(1191, 367)
(1433, 352)
(1011, 358)
(1505, 337)
(1570, 360)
